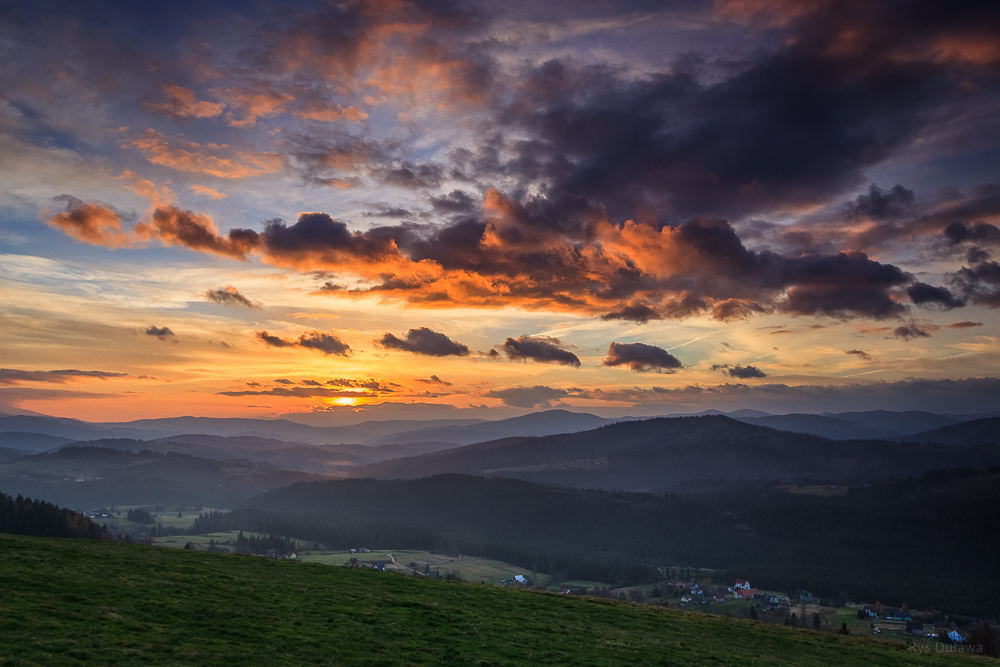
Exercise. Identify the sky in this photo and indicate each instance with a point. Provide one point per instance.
(384, 209)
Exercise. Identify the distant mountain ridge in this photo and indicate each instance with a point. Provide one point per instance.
(665, 452)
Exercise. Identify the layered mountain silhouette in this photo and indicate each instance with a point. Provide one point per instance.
(666, 452)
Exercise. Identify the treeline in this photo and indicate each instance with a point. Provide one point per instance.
(24, 516)
(899, 542)
(262, 544)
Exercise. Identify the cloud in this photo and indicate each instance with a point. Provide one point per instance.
(274, 341)
(325, 343)
(424, 341)
(253, 104)
(880, 205)
(9, 376)
(923, 294)
(314, 340)
(740, 372)
(860, 354)
(528, 397)
(538, 348)
(302, 392)
(230, 296)
(641, 357)
(93, 222)
(208, 159)
(208, 192)
(163, 333)
(633, 312)
(964, 325)
(911, 330)
(980, 232)
(980, 283)
(184, 104)
(434, 379)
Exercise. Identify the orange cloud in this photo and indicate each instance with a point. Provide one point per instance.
(91, 222)
(184, 104)
(193, 157)
(208, 192)
(254, 105)
(330, 113)
(172, 226)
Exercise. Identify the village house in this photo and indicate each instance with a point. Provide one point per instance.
(956, 636)
(915, 628)
(896, 614)
(742, 583)
(720, 597)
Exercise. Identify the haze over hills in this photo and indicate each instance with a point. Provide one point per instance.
(667, 452)
(83, 477)
(549, 422)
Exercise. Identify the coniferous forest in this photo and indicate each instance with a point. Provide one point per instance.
(24, 516)
(926, 542)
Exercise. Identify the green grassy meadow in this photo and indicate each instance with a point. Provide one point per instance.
(78, 602)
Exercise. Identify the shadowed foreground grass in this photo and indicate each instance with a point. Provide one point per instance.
(67, 602)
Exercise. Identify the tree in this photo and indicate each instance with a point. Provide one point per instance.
(655, 593)
(753, 612)
(793, 620)
(817, 623)
(843, 629)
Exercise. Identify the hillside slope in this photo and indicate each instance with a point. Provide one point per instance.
(669, 452)
(979, 432)
(69, 602)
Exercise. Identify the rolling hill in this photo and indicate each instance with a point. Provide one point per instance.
(671, 452)
(85, 477)
(77, 602)
(978, 432)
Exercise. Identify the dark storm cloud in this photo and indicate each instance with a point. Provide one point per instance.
(964, 325)
(641, 357)
(314, 340)
(424, 341)
(980, 283)
(923, 294)
(880, 205)
(230, 296)
(577, 150)
(163, 333)
(528, 397)
(980, 232)
(16, 376)
(538, 348)
(740, 372)
(455, 202)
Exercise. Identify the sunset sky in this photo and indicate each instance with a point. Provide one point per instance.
(389, 209)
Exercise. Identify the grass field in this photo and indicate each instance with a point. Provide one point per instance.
(70, 602)
(467, 568)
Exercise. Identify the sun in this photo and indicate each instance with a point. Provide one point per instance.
(346, 401)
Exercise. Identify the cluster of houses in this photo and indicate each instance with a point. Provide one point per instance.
(741, 590)
(914, 628)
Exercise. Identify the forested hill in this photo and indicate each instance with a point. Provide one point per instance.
(665, 453)
(24, 516)
(977, 432)
(928, 542)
